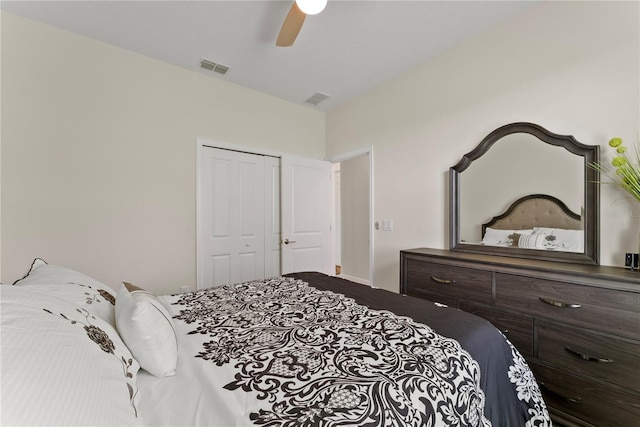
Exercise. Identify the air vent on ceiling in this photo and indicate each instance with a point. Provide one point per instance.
(317, 98)
(212, 66)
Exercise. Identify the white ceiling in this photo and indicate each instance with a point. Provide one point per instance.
(351, 47)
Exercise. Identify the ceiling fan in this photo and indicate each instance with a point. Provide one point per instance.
(295, 18)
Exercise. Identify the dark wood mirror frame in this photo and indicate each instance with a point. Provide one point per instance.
(591, 201)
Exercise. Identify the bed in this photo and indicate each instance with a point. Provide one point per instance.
(536, 221)
(305, 349)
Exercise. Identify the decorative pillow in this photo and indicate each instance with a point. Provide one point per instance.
(515, 239)
(496, 237)
(562, 239)
(61, 365)
(532, 241)
(72, 286)
(145, 326)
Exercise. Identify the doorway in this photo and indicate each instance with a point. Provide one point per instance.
(354, 212)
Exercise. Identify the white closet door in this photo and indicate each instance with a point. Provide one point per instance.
(307, 214)
(231, 246)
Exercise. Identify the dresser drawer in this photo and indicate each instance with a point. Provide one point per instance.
(607, 310)
(445, 284)
(604, 358)
(597, 404)
(518, 329)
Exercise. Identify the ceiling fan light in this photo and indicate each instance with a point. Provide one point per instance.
(311, 7)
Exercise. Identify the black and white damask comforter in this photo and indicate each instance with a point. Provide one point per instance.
(313, 350)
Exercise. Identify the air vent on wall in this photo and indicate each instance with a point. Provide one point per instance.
(212, 66)
(317, 98)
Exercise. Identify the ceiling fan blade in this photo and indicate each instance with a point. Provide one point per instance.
(291, 26)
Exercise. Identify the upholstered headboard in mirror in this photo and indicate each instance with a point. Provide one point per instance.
(536, 221)
(536, 210)
(520, 162)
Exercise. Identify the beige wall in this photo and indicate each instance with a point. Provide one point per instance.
(98, 154)
(571, 67)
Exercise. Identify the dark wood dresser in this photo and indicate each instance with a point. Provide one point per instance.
(578, 326)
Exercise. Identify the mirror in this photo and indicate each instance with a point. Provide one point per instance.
(526, 192)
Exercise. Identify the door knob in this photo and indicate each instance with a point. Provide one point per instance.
(287, 241)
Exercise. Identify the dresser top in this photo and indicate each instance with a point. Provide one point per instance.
(615, 276)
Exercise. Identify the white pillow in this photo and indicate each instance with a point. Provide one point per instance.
(496, 237)
(72, 286)
(532, 241)
(62, 366)
(145, 326)
(562, 239)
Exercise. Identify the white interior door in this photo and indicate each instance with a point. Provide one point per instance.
(272, 217)
(232, 205)
(307, 213)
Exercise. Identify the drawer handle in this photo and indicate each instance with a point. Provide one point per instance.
(577, 399)
(443, 281)
(559, 304)
(587, 357)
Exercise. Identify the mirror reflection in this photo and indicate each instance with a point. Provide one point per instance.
(517, 166)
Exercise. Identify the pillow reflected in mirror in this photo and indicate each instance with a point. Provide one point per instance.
(495, 237)
(561, 239)
(532, 241)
